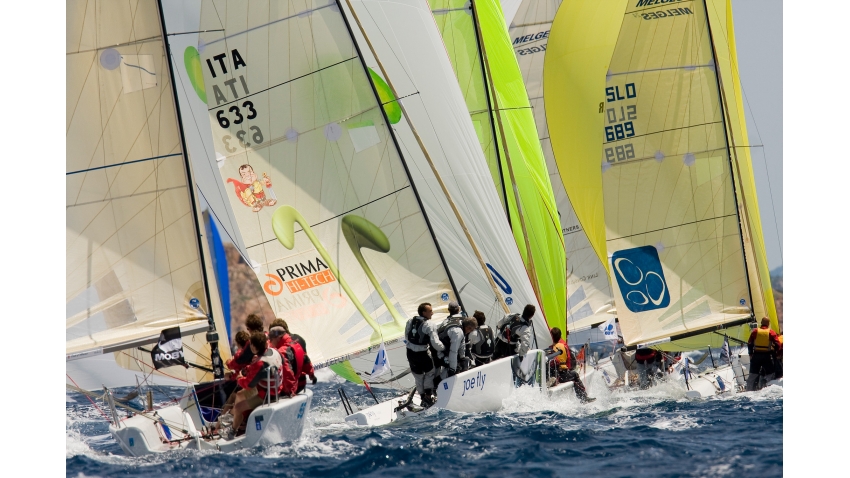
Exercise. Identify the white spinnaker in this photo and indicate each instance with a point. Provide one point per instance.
(132, 257)
(410, 47)
(289, 96)
(670, 211)
(589, 296)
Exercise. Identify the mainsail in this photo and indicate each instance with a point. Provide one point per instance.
(672, 218)
(589, 297)
(476, 41)
(133, 257)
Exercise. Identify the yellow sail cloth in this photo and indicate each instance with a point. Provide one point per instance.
(580, 45)
(720, 16)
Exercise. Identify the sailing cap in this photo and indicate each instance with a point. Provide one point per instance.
(275, 332)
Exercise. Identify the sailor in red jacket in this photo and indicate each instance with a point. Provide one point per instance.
(764, 346)
(305, 365)
(243, 357)
(264, 375)
(282, 342)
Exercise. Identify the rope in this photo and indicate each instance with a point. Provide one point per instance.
(105, 416)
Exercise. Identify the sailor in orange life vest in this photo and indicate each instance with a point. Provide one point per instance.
(561, 367)
(264, 375)
(764, 347)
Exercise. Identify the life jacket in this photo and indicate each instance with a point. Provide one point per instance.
(762, 344)
(510, 328)
(443, 331)
(270, 382)
(564, 358)
(645, 354)
(417, 336)
(486, 345)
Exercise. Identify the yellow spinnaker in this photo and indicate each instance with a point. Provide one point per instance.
(583, 33)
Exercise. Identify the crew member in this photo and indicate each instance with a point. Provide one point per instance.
(452, 334)
(440, 356)
(306, 366)
(291, 356)
(563, 364)
(515, 334)
(262, 375)
(764, 346)
(481, 341)
(647, 360)
(244, 357)
(420, 336)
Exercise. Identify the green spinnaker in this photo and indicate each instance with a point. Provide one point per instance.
(544, 241)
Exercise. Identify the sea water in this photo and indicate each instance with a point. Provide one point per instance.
(657, 432)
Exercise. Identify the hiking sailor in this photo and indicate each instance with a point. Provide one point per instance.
(649, 365)
(764, 346)
(481, 341)
(264, 375)
(452, 334)
(562, 366)
(515, 334)
(420, 335)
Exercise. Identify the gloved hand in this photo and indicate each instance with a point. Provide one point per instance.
(450, 372)
(446, 361)
(313, 379)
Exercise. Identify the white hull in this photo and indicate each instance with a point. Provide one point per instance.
(480, 389)
(384, 412)
(726, 379)
(278, 422)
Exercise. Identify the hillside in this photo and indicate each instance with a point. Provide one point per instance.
(246, 293)
(776, 282)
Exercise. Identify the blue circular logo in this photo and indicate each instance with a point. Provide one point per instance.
(195, 303)
(445, 297)
(743, 301)
(509, 300)
(609, 328)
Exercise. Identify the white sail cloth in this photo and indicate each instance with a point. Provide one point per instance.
(411, 49)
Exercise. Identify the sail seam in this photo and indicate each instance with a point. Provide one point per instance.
(123, 164)
(671, 227)
(281, 84)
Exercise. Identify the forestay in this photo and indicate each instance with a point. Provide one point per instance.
(133, 260)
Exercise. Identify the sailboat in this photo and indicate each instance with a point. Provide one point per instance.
(139, 283)
(347, 201)
(658, 128)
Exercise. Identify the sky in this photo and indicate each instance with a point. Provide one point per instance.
(758, 32)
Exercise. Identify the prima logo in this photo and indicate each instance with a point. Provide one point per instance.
(641, 278)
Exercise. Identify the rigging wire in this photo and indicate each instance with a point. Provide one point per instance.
(734, 66)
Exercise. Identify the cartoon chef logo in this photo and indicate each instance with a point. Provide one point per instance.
(251, 191)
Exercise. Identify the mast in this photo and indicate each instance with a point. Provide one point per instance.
(494, 112)
(729, 149)
(484, 71)
(212, 335)
(439, 178)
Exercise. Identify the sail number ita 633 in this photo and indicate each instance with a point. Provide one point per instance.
(234, 112)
